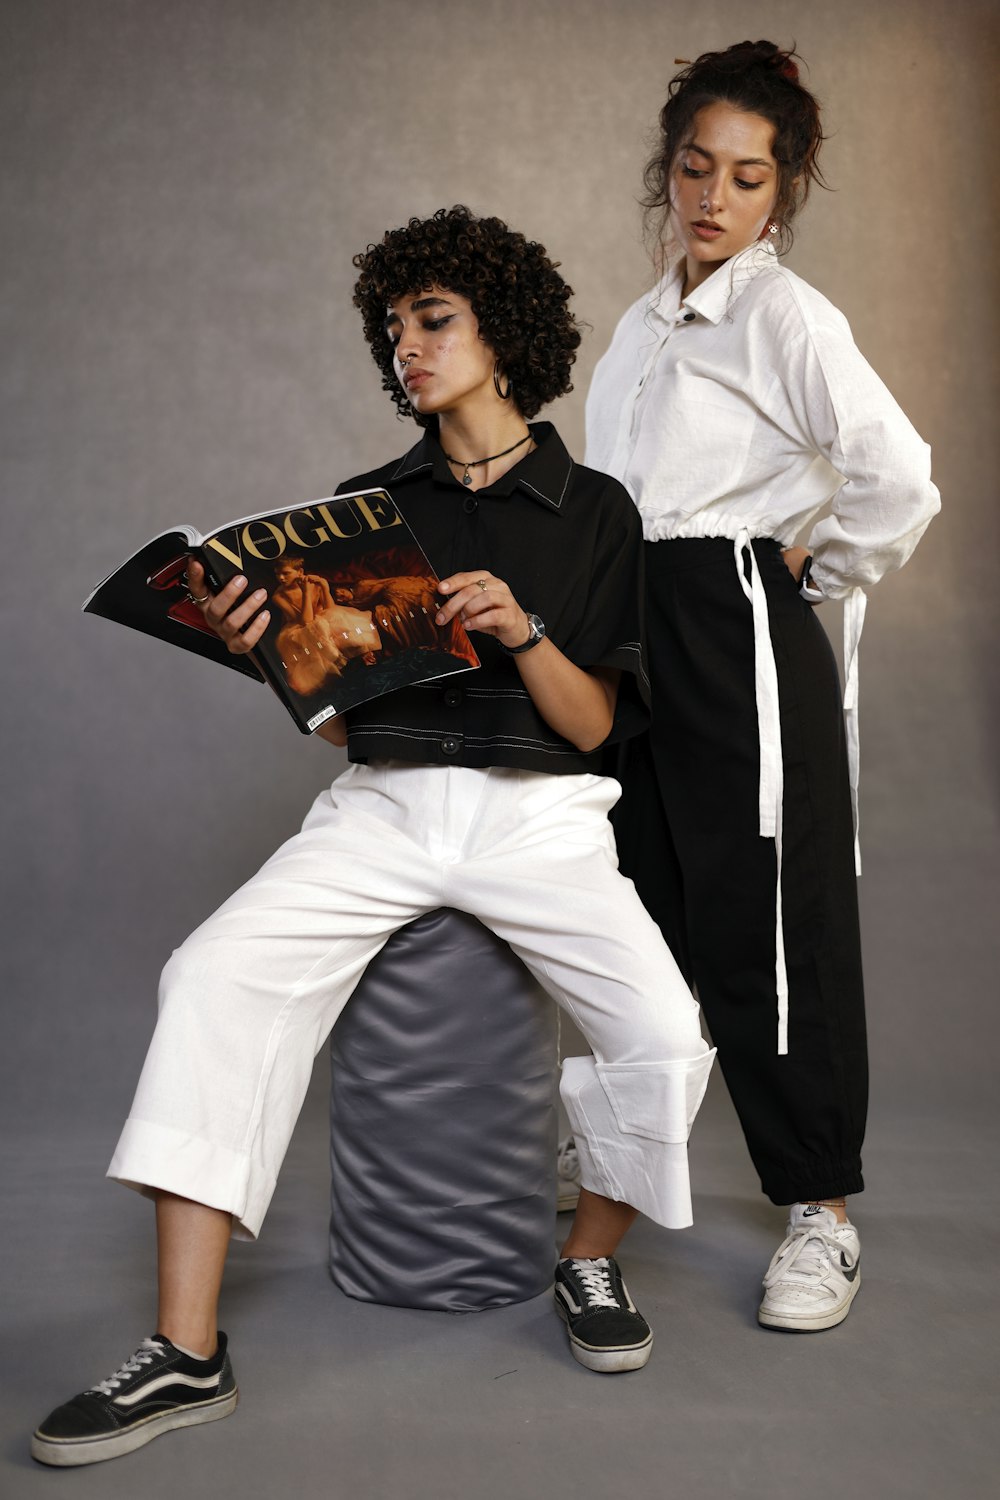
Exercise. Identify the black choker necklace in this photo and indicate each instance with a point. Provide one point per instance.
(475, 463)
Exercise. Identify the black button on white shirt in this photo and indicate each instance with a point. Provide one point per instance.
(568, 543)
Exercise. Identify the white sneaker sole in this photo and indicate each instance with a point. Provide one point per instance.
(806, 1322)
(606, 1361)
(67, 1453)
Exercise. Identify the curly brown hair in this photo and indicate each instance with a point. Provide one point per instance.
(761, 79)
(516, 292)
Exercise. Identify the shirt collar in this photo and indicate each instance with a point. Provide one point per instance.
(543, 475)
(716, 295)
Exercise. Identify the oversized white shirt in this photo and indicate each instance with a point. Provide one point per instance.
(747, 405)
(743, 410)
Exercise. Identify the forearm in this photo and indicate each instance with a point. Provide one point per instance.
(847, 554)
(334, 731)
(578, 705)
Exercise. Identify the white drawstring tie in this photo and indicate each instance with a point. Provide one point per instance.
(770, 789)
(855, 605)
(771, 784)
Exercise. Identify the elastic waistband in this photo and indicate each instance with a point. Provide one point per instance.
(676, 554)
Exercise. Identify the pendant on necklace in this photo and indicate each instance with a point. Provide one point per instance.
(466, 477)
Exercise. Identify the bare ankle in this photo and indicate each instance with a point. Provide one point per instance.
(200, 1342)
(837, 1206)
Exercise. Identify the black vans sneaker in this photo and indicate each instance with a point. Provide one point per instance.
(606, 1333)
(157, 1389)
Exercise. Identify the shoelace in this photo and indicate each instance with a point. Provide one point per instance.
(817, 1251)
(142, 1356)
(596, 1281)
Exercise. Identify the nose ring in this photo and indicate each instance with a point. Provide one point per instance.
(705, 204)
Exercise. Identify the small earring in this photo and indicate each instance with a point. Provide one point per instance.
(504, 395)
(772, 228)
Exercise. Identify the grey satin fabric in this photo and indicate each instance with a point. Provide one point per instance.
(443, 1118)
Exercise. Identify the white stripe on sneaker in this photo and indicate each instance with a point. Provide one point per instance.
(197, 1382)
(567, 1296)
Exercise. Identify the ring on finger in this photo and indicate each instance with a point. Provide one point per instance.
(203, 600)
(482, 584)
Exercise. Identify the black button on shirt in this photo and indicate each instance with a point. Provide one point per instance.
(568, 542)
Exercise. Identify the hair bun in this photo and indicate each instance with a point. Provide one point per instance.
(769, 54)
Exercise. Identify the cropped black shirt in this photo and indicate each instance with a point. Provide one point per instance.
(568, 543)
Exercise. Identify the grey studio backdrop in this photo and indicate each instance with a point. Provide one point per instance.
(184, 184)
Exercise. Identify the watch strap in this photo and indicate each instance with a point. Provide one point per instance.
(536, 633)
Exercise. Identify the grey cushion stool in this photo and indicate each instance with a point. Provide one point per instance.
(443, 1119)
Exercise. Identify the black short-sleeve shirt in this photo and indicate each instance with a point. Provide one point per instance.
(568, 542)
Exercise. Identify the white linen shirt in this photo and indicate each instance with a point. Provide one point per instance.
(747, 405)
(742, 411)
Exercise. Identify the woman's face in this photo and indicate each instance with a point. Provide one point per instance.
(724, 182)
(439, 358)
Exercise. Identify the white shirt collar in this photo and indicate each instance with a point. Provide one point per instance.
(714, 298)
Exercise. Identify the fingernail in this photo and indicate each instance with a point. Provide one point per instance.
(259, 594)
(264, 615)
(439, 619)
(240, 582)
(444, 587)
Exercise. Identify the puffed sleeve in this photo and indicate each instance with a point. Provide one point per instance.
(610, 633)
(887, 499)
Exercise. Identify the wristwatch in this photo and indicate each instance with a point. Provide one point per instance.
(807, 589)
(536, 633)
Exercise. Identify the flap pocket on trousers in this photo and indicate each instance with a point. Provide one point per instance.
(657, 1100)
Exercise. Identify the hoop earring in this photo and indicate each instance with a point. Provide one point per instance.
(504, 395)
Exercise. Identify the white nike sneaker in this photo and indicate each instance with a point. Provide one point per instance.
(815, 1274)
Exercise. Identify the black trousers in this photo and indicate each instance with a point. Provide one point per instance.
(687, 831)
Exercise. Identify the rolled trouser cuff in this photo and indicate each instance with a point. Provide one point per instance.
(631, 1124)
(151, 1157)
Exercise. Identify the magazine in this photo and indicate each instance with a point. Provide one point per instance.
(352, 598)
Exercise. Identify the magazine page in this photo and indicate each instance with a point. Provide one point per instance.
(148, 593)
(352, 599)
(351, 594)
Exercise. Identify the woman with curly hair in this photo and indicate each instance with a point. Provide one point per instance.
(487, 798)
(737, 410)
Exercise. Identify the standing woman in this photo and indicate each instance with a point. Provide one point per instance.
(735, 407)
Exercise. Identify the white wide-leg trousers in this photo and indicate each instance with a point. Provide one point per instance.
(249, 999)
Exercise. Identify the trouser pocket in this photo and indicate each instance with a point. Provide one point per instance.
(657, 1100)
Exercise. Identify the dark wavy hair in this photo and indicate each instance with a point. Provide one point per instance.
(761, 79)
(516, 292)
